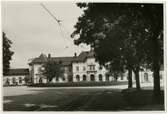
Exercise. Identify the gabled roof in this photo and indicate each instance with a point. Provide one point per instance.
(41, 59)
(84, 55)
(18, 71)
(65, 60)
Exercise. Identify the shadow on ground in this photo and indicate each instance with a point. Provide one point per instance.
(74, 100)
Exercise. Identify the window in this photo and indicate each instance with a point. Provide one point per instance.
(20, 79)
(107, 77)
(84, 77)
(14, 80)
(77, 68)
(91, 67)
(84, 68)
(77, 77)
(92, 77)
(63, 78)
(7, 81)
(100, 77)
(40, 80)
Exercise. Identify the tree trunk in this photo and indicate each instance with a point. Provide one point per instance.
(156, 69)
(137, 79)
(130, 85)
(157, 56)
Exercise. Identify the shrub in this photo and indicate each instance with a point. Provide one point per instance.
(77, 84)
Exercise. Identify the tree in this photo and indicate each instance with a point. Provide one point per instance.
(7, 53)
(52, 69)
(122, 30)
(154, 22)
(107, 23)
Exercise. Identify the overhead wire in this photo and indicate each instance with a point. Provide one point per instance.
(57, 20)
(62, 28)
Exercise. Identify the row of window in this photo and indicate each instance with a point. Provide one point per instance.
(90, 67)
(57, 79)
(92, 77)
(14, 80)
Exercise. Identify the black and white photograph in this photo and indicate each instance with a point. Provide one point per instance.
(83, 56)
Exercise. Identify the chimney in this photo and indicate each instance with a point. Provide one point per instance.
(75, 54)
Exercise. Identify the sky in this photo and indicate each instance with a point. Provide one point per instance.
(33, 31)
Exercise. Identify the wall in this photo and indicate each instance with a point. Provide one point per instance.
(10, 78)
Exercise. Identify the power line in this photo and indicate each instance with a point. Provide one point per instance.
(57, 20)
(61, 26)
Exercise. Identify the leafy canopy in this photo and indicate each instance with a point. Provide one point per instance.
(7, 53)
(52, 69)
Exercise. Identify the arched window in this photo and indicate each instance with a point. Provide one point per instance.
(40, 80)
(63, 78)
(92, 77)
(77, 78)
(100, 77)
(84, 77)
(7, 81)
(14, 80)
(107, 77)
(20, 79)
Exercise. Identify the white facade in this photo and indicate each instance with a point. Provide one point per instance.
(18, 76)
(37, 76)
(14, 80)
(84, 68)
(88, 70)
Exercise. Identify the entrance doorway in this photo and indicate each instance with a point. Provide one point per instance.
(92, 77)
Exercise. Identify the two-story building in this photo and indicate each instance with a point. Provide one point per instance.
(86, 68)
(36, 65)
(81, 68)
(77, 68)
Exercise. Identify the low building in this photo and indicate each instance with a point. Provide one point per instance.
(16, 77)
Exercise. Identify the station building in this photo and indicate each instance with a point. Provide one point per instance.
(81, 68)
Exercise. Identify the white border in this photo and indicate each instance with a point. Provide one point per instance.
(122, 1)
